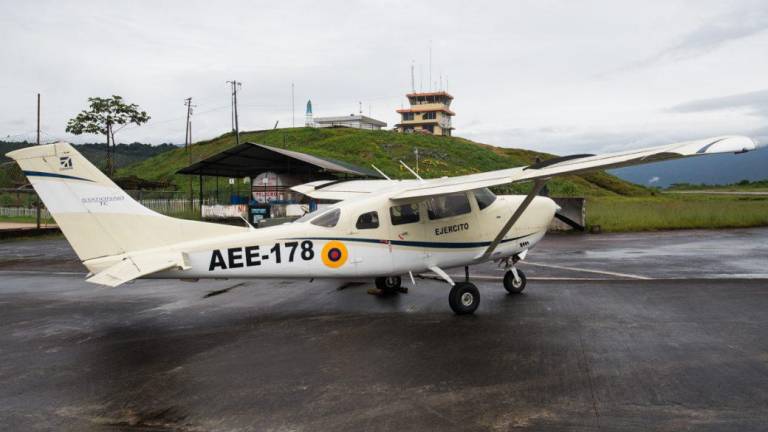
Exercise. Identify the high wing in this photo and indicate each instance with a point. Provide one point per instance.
(575, 164)
(409, 189)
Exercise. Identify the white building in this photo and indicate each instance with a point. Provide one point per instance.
(357, 121)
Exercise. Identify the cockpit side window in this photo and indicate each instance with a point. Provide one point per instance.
(484, 197)
(328, 219)
(368, 220)
(404, 214)
(444, 206)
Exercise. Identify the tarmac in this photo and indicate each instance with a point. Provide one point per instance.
(654, 331)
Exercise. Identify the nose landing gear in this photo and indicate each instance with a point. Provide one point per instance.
(514, 281)
(514, 278)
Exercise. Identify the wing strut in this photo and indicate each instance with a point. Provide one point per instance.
(537, 185)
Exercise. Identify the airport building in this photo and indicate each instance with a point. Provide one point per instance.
(430, 112)
(357, 121)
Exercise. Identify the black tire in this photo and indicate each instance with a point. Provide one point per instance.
(389, 284)
(464, 298)
(509, 282)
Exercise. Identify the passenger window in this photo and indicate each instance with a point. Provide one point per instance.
(448, 205)
(484, 197)
(404, 214)
(368, 220)
(328, 219)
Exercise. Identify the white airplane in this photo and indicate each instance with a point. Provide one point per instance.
(379, 229)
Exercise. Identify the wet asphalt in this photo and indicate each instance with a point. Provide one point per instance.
(655, 331)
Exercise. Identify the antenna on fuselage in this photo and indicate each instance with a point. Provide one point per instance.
(381, 172)
(412, 171)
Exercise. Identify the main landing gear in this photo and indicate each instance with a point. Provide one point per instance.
(464, 297)
(389, 285)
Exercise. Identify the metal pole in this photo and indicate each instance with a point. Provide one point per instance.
(201, 196)
(38, 133)
(188, 144)
(237, 120)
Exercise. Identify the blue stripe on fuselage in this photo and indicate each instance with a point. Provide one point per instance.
(436, 245)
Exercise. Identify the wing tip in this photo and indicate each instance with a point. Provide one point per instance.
(728, 144)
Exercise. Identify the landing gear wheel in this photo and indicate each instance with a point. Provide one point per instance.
(389, 285)
(511, 285)
(464, 298)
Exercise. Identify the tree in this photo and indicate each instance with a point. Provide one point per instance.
(107, 116)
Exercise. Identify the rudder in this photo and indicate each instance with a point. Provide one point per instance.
(97, 217)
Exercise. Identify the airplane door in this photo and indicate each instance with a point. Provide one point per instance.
(406, 236)
(372, 254)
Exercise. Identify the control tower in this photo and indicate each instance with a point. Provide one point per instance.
(429, 113)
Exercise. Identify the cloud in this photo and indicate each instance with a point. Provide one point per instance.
(755, 102)
(711, 35)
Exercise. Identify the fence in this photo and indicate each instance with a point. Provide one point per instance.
(171, 207)
(23, 212)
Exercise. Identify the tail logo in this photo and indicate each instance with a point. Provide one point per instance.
(65, 163)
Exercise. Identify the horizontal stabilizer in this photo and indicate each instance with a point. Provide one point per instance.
(134, 267)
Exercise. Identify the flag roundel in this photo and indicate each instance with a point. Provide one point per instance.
(334, 254)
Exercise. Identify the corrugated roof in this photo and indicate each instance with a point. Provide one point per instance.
(251, 159)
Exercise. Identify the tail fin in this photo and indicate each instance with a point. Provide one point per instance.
(97, 217)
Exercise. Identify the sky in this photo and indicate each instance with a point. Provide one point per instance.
(556, 76)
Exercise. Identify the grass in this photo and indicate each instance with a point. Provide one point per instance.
(678, 212)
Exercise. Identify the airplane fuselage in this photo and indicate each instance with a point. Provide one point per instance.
(349, 250)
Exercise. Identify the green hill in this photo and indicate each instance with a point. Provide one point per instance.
(438, 156)
(125, 154)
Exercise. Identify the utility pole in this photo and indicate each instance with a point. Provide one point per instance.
(236, 127)
(188, 142)
(38, 120)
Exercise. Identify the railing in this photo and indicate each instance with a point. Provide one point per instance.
(23, 212)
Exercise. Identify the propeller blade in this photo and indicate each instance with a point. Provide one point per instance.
(570, 222)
